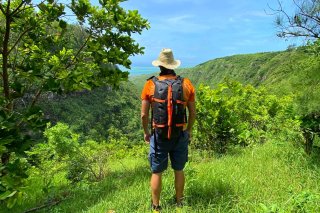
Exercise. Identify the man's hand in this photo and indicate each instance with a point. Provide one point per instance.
(189, 134)
(145, 106)
(192, 117)
(147, 137)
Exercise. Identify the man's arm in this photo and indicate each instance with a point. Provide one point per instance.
(192, 116)
(145, 106)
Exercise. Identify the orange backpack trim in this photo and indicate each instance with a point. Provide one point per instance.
(163, 99)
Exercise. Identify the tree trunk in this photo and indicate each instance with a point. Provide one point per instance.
(5, 58)
(5, 157)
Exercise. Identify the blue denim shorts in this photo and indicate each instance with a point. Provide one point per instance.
(176, 149)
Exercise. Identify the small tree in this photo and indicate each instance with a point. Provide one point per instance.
(41, 52)
(304, 22)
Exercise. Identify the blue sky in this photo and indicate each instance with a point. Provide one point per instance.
(201, 30)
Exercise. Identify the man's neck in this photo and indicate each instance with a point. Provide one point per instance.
(167, 72)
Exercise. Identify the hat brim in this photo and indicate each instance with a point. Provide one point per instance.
(173, 65)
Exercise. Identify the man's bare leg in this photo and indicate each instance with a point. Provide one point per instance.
(179, 180)
(155, 183)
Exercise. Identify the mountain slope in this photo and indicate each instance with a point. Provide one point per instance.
(283, 73)
(98, 113)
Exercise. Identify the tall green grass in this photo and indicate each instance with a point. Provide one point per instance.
(273, 177)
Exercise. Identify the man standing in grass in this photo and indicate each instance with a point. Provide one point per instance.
(169, 96)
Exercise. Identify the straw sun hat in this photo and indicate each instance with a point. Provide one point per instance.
(166, 60)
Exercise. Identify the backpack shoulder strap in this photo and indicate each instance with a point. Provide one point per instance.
(180, 78)
(152, 77)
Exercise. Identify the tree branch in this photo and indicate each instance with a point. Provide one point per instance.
(19, 38)
(313, 34)
(293, 30)
(281, 11)
(290, 26)
(316, 19)
(295, 34)
(17, 11)
(2, 10)
(299, 7)
(36, 97)
(14, 64)
(22, 62)
(19, 6)
(79, 51)
(305, 13)
(53, 203)
(5, 79)
(274, 11)
(8, 7)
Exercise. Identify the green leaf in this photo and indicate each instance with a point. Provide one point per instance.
(7, 194)
(2, 149)
(42, 6)
(6, 141)
(62, 24)
(11, 202)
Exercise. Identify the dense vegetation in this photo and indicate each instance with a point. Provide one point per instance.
(70, 130)
(42, 53)
(96, 167)
(293, 72)
(98, 113)
(233, 115)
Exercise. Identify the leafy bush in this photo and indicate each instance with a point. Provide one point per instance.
(86, 161)
(18, 130)
(310, 126)
(233, 114)
(63, 152)
(313, 47)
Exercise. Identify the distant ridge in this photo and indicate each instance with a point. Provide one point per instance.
(291, 72)
(142, 70)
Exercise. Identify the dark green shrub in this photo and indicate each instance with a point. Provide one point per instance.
(233, 114)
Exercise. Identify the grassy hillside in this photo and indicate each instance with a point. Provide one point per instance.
(140, 80)
(274, 177)
(287, 72)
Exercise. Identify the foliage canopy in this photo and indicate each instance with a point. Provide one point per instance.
(40, 52)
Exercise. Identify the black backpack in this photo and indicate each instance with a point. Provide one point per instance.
(168, 107)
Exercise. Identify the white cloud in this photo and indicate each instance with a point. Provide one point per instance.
(178, 1)
(179, 19)
(181, 24)
(261, 14)
(249, 16)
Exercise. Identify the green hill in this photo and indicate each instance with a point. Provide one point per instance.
(288, 72)
(95, 113)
